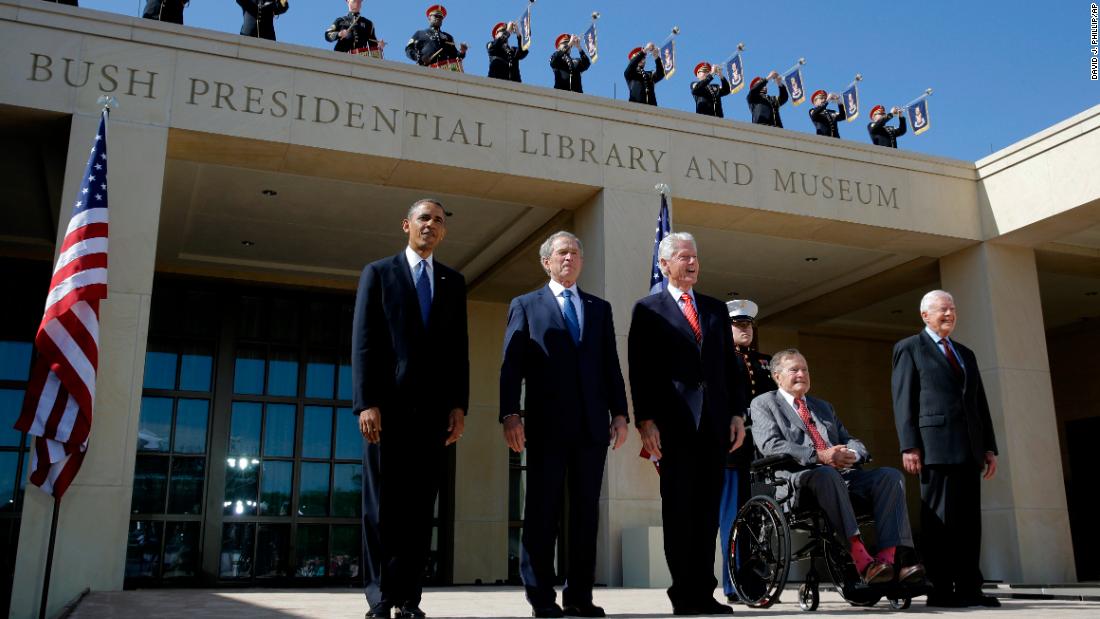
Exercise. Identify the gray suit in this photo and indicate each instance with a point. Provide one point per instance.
(778, 430)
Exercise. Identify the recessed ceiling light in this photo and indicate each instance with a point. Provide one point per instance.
(810, 259)
(270, 193)
(733, 293)
(1091, 293)
(247, 243)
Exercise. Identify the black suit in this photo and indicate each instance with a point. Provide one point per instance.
(708, 97)
(415, 375)
(567, 70)
(504, 58)
(165, 10)
(640, 82)
(683, 387)
(573, 390)
(884, 135)
(765, 108)
(946, 416)
(259, 17)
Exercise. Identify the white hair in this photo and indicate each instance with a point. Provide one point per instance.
(778, 358)
(668, 247)
(930, 297)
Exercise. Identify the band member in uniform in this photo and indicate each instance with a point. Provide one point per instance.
(68, 2)
(503, 58)
(753, 376)
(639, 81)
(708, 95)
(884, 135)
(824, 119)
(567, 69)
(764, 107)
(354, 33)
(165, 10)
(434, 48)
(259, 17)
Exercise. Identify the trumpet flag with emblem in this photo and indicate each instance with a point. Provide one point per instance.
(850, 100)
(525, 26)
(735, 72)
(57, 407)
(668, 57)
(793, 80)
(917, 112)
(591, 43)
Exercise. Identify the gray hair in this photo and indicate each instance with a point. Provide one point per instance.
(668, 247)
(547, 246)
(781, 356)
(412, 209)
(931, 296)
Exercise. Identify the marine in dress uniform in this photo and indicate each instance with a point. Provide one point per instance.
(708, 95)
(764, 107)
(504, 58)
(752, 375)
(259, 17)
(639, 81)
(824, 119)
(884, 135)
(567, 69)
(354, 33)
(432, 47)
(165, 10)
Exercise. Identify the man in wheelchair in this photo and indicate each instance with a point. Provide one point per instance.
(787, 422)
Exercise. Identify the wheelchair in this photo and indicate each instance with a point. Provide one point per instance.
(760, 552)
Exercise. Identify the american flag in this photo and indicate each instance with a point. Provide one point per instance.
(657, 279)
(57, 409)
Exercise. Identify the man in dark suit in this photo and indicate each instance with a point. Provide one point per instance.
(946, 436)
(641, 83)
(567, 69)
(787, 422)
(764, 107)
(410, 366)
(561, 341)
(689, 416)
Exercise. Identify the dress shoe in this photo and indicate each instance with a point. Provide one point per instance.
(410, 611)
(379, 610)
(714, 607)
(877, 572)
(911, 573)
(732, 598)
(942, 600)
(553, 610)
(583, 610)
(979, 599)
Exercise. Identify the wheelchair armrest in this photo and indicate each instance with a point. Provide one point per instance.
(783, 462)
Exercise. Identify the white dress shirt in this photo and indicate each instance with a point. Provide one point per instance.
(575, 297)
(414, 266)
(936, 338)
(821, 429)
(677, 293)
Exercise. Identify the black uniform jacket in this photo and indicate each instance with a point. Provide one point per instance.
(883, 135)
(567, 70)
(362, 32)
(504, 59)
(430, 46)
(765, 108)
(708, 97)
(752, 376)
(259, 17)
(641, 82)
(164, 10)
(825, 120)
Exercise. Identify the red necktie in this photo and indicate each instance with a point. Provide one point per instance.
(815, 436)
(951, 358)
(692, 317)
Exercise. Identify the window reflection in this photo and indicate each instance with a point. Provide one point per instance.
(191, 416)
(272, 550)
(349, 441)
(15, 360)
(347, 487)
(241, 482)
(248, 371)
(279, 430)
(320, 376)
(312, 549)
(9, 463)
(185, 494)
(155, 424)
(181, 549)
(317, 432)
(282, 373)
(143, 549)
(244, 429)
(160, 368)
(343, 388)
(345, 551)
(235, 560)
(150, 484)
(275, 490)
(313, 496)
(196, 365)
(11, 403)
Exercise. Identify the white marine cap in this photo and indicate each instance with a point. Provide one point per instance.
(741, 309)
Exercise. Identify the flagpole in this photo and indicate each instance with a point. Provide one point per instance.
(665, 191)
(49, 558)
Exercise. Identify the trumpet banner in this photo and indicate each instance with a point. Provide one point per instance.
(591, 44)
(735, 72)
(795, 89)
(919, 119)
(850, 100)
(525, 26)
(668, 57)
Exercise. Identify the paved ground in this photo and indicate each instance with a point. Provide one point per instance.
(493, 602)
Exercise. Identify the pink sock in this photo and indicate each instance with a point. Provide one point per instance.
(860, 556)
(886, 555)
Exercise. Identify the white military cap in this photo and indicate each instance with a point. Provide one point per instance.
(741, 309)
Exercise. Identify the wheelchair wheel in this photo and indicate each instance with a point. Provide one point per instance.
(808, 596)
(900, 603)
(759, 552)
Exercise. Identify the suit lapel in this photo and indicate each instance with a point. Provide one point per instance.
(590, 316)
(671, 311)
(439, 284)
(933, 349)
(550, 304)
(792, 416)
(405, 291)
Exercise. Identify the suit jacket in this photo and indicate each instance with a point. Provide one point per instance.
(399, 365)
(947, 418)
(640, 82)
(572, 390)
(673, 379)
(778, 430)
(567, 70)
(708, 96)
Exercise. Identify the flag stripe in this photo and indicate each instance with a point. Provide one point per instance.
(86, 245)
(75, 282)
(97, 215)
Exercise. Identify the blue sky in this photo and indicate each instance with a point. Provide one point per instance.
(1001, 71)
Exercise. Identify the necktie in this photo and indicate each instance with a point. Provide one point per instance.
(424, 291)
(951, 358)
(692, 317)
(811, 427)
(571, 319)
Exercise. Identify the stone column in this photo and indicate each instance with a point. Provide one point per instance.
(95, 512)
(1026, 535)
(617, 229)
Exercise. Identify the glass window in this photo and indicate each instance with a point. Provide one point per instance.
(272, 550)
(349, 442)
(244, 430)
(282, 373)
(191, 418)
(181, 549)
(346, 549)
(155, 424)
(241, 483)
(160, 368)
(248, 371)
(317, 432)
(196, 365)
(275, 490)
(235, 560)
(347, 487)
(11, 403)
(314, 489)
(279, 430)
(185, 493)
(9, 463)
(150, 484)
(312, 549)
(320, 376)
(343, 389)
(15, 360)
(143, 549)
(23, 480)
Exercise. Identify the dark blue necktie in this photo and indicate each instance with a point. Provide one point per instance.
(424, 291)
(571, 319)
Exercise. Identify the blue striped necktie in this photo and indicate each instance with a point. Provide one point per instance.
(424, 291)
(571, 319)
